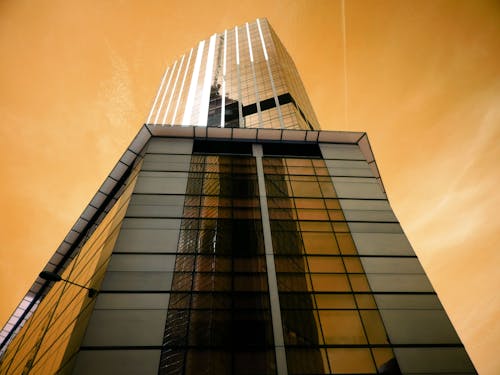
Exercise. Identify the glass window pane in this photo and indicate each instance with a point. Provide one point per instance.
(346, 244)
(353, 265)
(309, 203)
(292, 162)
(262, 362)
(332, 204)
(342, 327)
(359, 283)
(293, 283)
(340, 227)
(328, 190)
(335, 301)
(330, 283)
(336, 215)
(365, 301)
(306, 361)
(319, 243)
(305, 189)
(385, 361)
(308, 214)
(318, 226)
(351, 361)
(326, 264)
(374, 327)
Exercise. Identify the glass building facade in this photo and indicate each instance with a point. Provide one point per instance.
(246, 241)
(244, 70)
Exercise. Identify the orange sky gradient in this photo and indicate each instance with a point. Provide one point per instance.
(77, 79)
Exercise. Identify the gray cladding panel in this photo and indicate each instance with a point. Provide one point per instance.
(375, 228)
(341, 151)
(147, 240)
(356, 187)
(391, 265)
(434, 361)
(170, 146)
(127, 281)
(367, 215)
(155, 205)
(382, 244)
(407, 301)
(123, 362)
(140, 223)
(167, 183)
(399, 282)
(165, 162)
(355, 168)
(125, 328)
(146, 262)
(419, 327)
(132, 301)
(365, 204)
(367, 210)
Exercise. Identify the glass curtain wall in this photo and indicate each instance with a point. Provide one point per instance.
(242, 77)
(330, 320)
(219, 320)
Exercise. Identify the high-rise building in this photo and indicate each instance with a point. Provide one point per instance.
(235, 236)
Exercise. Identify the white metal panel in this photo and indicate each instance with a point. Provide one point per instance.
(207, 82)
(181, 90)
(172, 92)
(192, 87)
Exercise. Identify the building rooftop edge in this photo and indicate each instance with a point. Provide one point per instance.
(106, 195)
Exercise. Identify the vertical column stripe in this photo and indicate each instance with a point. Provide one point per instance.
(249, 42)
(240, 109)
(279, 342)
(165, 93)
(157, 95)
(223, 102)
(173, 90)
(237, 45)
(257, 99)
(262, 40)
(192, 88)
(205, 98)
(275, 95)
(181, 90)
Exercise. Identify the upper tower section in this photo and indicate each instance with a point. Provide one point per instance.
(240, 78)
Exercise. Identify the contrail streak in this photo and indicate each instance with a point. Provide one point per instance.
(344, 45)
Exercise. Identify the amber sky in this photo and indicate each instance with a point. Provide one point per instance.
(77, 79)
